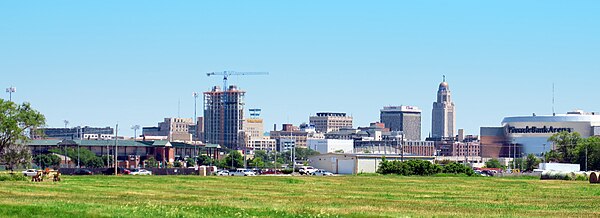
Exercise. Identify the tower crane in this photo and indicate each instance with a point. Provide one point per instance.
(226, 75)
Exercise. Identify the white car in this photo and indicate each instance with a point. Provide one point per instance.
(30, 172)
(322, 173)
(242, 172)
(141, 172)
(307, 170)
(223, 173)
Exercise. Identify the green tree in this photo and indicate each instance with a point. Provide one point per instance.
(95, 162)
(565, 143)
(257, 162)
(151, 162)
(204, 160)
(591, 148)
(190, 162)
(531, 162)
(304, 153)
(47, 160)
(493, 163)
(16, 123)
(238, 160)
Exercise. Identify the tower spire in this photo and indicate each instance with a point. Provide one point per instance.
(444, 78)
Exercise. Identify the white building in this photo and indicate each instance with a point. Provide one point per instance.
(349, 164)
(325, 146)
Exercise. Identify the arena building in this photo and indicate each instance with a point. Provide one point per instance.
(523, 135)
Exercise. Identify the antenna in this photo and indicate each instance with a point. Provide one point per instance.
(553, 101)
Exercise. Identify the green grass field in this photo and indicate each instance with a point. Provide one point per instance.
(352, 196)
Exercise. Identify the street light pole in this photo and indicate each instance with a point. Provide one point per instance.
(195, 94)
(10, 90)
(135, 129)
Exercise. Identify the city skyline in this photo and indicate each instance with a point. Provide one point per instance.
(93, 65)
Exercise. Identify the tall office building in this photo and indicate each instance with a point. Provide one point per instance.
(330, 122)
(224, 116)
(403, 118)
(443, 115)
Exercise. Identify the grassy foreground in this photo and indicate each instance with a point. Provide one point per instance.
(352, 196)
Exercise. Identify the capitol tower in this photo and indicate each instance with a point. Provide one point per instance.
(443, 115)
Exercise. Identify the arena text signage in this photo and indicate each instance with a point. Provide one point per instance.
(542, 130)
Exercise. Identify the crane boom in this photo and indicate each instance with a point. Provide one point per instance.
(226, 75)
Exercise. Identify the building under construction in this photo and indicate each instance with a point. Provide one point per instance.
(224, 116)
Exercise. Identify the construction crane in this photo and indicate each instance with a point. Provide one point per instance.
(226, 75)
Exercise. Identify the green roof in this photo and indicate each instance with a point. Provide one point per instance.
(120, 143)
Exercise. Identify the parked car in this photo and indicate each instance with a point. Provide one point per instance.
(271, 172)
(223, 173)
(120, 170)
(30, 172)
(322, 173)
(141, 172)
(82, 172)
(242, 172)
(306, 170)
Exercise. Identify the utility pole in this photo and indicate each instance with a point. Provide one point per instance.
(116, 148)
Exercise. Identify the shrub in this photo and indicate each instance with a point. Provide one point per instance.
(409, 168)
(13, 177)
(456, 168)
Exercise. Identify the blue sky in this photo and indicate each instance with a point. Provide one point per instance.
(102, 62)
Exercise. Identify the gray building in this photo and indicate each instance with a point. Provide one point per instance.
(224, 116)
(403, 118)
(74, 132)
(443, 114)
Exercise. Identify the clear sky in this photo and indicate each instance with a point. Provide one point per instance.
(102, 62)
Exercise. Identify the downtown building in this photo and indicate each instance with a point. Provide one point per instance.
(86, 132)
(523, 135)
(328, 122)
(443, 122)
(253, 134)
(406, 119)
(224, 116)
(173, 130)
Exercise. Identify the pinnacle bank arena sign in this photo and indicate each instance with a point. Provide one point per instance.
(538, 130)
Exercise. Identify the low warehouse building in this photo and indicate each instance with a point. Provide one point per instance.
(352, 164)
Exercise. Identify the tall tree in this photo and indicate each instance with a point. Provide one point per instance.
(16, 155)
(16, 124)
(565, 143)
(588, 150)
